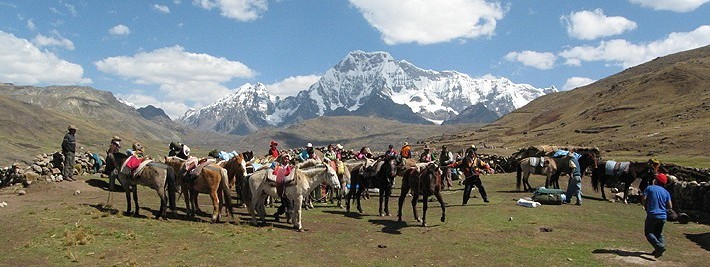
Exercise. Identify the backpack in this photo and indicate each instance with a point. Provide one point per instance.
(548, 196)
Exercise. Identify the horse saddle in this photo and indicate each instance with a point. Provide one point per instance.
(280, 177)
(616, 168)
(195, 170)
(134, 165)
(537, 161)
(370, 168)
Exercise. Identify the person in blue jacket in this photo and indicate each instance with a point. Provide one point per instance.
(657, 201)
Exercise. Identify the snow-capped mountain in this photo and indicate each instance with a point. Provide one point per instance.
(366, 84)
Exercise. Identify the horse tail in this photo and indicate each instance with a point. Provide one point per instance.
(172, 188)
(519, 177)
(225, 190)
(596, 179)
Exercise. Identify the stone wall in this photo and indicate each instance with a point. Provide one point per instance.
(47, 167)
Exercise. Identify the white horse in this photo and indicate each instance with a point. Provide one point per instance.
(307, 176)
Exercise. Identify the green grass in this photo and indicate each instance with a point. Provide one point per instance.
(74, 231)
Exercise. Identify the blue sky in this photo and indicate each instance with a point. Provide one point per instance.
(181, 54)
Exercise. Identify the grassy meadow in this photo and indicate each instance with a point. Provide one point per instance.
(52, 226)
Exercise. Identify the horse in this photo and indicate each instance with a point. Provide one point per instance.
(247, 155)
(236, 170)
(155, 175)
(212, 180)
(358, 183)
(379, 175)
(552, 169)
(307, 176)
(424, 182)
(627, 172)
(343, 171)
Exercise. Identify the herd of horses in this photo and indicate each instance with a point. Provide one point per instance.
(347, 179)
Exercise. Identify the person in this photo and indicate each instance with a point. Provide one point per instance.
(282, 168)
(69, 150)
(390, 151)
(330, 153)
(445, 159)
(339, 152)
(426, 155)
(471, 149)
(656, 201)
(138, 150)
(273, 150)
(179, 150)
(406, 151)
(308, 153)
(471, 166)
(364, 153)
(97, 161)
(574, 186)
(114, 147)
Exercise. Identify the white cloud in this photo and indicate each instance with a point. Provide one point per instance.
(31, 25)
(292, 85)
(429, 22)
(243, 10)
(120, 29)
(590, 25)
(23, 63)
(628, 54)
(161, 8)
(56, 40)
(575, 82)
(182, 76)
(671, 5)
(174, 109)
(538, 60)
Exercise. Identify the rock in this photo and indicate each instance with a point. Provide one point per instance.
(45, 170)
(77, 192)
(3, 204)
(22, 192)
(36, 168)
(31, 176)
(510, 219)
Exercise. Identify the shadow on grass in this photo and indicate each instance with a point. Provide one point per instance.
(354, 215)
(703, 240)
(99, 183)
(623, 253)
(390, 226)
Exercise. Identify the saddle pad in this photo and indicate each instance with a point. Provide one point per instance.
(609, 167)
(537, 162)
(133, 166)
(198, 169)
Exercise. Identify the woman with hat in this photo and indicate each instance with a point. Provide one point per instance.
(68, 150)
(114, 147)
(273, 150)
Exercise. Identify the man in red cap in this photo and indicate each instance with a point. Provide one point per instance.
(656, 200)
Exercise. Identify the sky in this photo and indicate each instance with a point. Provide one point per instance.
(180, 54)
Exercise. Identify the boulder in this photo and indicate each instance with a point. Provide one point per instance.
(31, 176)
(21, 192)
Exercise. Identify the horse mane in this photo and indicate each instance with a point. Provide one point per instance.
(308, 163)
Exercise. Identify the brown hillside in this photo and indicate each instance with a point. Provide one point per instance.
(660, 108)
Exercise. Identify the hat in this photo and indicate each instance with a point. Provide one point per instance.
(426, 147)
(309, 145)
(71, 127)
(661, 179)
(273, 143)
(339, 146)
(443, 146)
(115, 138)
(474, 147)
(406, 143)
(654, 161)
(390, 146)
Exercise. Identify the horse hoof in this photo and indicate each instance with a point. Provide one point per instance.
(443, 218)
(399, 219)
(127, 213)
(388, 214)
(419, 220)
(382, 215)
(424, 225)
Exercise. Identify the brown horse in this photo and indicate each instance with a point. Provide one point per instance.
(626, 172)
(553, 168)
(212, 180)
(426, 182)
(236, 170)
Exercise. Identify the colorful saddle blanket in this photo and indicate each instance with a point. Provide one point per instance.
(281, 176)
(134, 165)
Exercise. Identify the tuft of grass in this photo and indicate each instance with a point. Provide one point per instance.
(79, 236)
